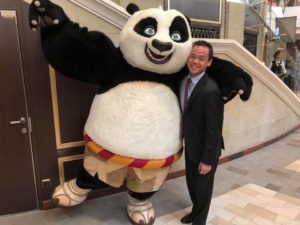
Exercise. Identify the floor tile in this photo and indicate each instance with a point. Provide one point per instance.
(294, 166)
(273, 187)
(220, 221)
(260, 211)
(263, 221)
(279, 173)
(286, 221)
(237, 170)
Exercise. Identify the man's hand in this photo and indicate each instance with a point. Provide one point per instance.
(204, 168)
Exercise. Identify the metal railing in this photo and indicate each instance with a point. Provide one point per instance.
(205, 32)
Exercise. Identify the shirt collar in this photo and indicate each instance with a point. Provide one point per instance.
(196, 79)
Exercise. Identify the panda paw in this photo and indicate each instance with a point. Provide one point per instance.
(238, 87)
(44, 13)
(227, 93)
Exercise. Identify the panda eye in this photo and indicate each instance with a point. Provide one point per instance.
(176, 36)
(150, 31)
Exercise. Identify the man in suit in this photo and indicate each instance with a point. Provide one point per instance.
(202, 121)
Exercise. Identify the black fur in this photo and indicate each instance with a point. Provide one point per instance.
(132, 8)
(141, 196)
(178, 25)
(85, 181)
(236, 79)
(141, 25)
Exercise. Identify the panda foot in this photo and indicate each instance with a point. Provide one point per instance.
(140, 212)
(69, 194)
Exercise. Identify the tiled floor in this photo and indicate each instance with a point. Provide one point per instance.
(262, 188)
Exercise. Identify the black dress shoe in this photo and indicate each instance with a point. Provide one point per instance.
(187, 219)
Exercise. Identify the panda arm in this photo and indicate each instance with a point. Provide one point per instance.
(74, 51)
(231, 79)
(79, 54)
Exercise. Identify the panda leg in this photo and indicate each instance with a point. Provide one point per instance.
(75, 191)
(139, 208)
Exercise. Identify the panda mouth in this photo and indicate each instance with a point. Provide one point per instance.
(155, 58)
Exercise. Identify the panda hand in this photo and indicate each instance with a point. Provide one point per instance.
(45, 13)
(240, 87)
(227, 93)
(243, 88)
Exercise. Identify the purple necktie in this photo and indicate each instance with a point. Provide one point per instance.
(185, 99)
(186, 93)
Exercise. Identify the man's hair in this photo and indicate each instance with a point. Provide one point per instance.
(207, 45)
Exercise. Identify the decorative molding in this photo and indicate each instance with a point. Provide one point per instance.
(106, 10)
(8, 14)
(61, 162)
(59, 144)
(257, 69)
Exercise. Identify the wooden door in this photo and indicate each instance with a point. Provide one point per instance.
(17, 178)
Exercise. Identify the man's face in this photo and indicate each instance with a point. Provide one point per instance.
(198, 60)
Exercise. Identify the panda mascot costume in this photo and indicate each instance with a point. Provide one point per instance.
(132, 134)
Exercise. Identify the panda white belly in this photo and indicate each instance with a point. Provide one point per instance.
(136, 119)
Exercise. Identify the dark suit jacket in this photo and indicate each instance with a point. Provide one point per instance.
(202, 123)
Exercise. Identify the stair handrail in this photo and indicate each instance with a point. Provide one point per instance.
(106, 10)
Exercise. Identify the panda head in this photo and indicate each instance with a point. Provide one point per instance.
(156, 40)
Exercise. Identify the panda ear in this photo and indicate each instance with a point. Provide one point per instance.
(132, 8)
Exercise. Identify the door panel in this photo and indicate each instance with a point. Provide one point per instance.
(17, 180)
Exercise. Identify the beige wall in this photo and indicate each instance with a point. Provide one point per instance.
(261, 35)
(234, 28)
(116, 1)
(271, 111)
(86, 19)
(141, 3)
(264, 117)
(223, 19)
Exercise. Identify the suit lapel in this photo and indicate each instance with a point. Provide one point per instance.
(198, 88)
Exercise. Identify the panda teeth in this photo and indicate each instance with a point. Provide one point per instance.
(155, 56)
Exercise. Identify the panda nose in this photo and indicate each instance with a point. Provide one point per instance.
(162, 46)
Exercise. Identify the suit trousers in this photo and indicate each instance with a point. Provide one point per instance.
(200, 188)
